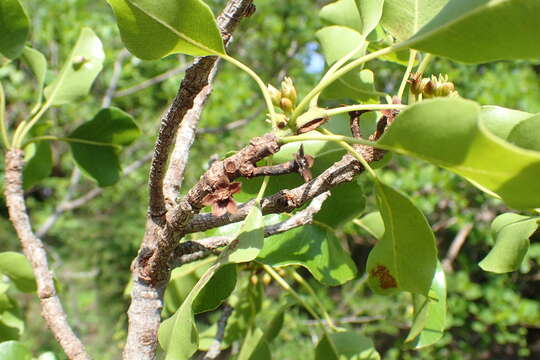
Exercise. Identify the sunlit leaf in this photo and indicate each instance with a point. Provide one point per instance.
(14, 28)
(19, 270)
(372, 223)
(154, 29)
(79, 71)
(360, 15)
(403, 18)
(345, 203)
(14, 350)
(429, 316)
(476, 31)
(100, 162)
(526, 134)
(255, 346)
(348, 40)
(500, 121)
(38, 64)
(447, 132)
(405, 257)
(314, 247)
(250, 240)
(345, 346)
(511, 232)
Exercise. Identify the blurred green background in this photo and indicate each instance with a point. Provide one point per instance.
(490, 316)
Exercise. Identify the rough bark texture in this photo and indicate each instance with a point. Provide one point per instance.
(51, 308)
(148, 286)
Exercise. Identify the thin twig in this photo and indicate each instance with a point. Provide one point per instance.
(115, 77)
(190, 251)
(69, 205)
(215, 347)
(33, 249)
(151, 82)
(455, 247)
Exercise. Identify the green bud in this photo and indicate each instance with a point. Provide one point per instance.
(288, 90)
(281, 120)
(275, 95)
(286, 105)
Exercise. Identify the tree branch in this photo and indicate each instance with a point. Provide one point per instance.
(51, 308)
(215, 348)
(147, 293)
(190, 251)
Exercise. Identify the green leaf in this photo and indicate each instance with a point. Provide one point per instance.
(500, 121)
(250, 240)
(429, 315)
(357, 86)
(373, 223)
(403, 18)
(348, 40)
(38, 64)
(100, 162)
(447, 132)
(217, 290)
(347, 345)
(18, 269)
(14, 350)
(511, 232)
(178, 335)
(346, 202)
(154, 29)
(14, 28)
(11, 323)
(255, 346)
(476, 31)
(79, 71)
(314, 247)
(38, 163)
(406, 256)
(526, 134)
(360, 15)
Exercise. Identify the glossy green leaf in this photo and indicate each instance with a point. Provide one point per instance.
(182, 280)
(178, 335)
(346, 202)
(500, 121)
(217, 290)
(19, 270)
(38, 64)
(79, 71)
(403, 18)
(154, 29)
(429, 315)
(255, 346)
(314, 247)
(476, 31)
(250, 240)
(347, 345)
(373, 223)
(360, 15)
(511, 232)
(348, 40)
(14, 350)
(357, 86)
(447, 132)
(526, 134)
(100, 162)
(406, 256)
(38, 163)
(14, 28)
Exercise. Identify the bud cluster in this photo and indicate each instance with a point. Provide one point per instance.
(285, 99)
(432, 87)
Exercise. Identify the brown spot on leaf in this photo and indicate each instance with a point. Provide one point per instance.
(386, 280)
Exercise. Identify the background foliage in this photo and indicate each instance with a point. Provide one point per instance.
(491, 316)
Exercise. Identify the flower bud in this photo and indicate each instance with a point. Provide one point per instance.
(286, 105)
(275, 95)
(281, 121)
(288, 90)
